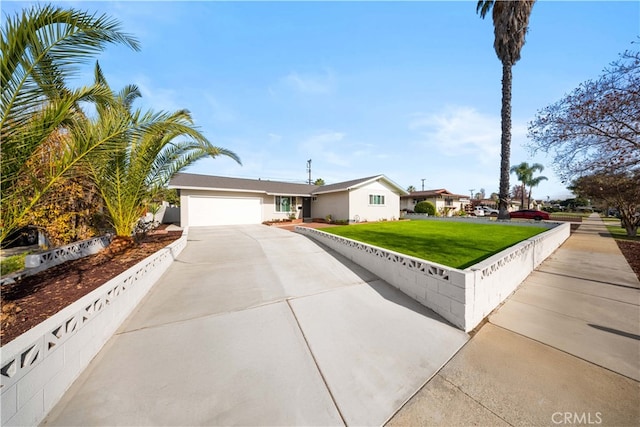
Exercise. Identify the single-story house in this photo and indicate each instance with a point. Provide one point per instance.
(215, 200)
(444, 201)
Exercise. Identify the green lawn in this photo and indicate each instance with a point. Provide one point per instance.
(455, 244)
(575, 214)
(12, 263)
(620, 233)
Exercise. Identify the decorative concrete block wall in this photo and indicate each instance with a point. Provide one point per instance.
(40, 365)
(66, 253)
(463, 297)
(38, 262)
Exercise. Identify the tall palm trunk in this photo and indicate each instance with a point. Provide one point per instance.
(510, 21)
(505, 141)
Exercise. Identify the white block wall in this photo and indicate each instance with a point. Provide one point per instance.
(40, 365)
(463, 297)
(66, 253)
(41, 261)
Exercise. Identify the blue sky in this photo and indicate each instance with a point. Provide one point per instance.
(406, 89)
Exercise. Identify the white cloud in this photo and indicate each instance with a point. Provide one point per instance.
(322, 146)
(274, 137)
(461, 130)
(319, 83)
(217, 111)
(157, 98)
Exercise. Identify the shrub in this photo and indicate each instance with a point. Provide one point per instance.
(13, 263)
(425, 207)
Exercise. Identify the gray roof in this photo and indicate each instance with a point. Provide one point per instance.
(209, 182)
(342, 186)
(434, 193)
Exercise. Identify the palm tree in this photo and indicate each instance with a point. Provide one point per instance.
(510, 22)
(534, 182)
(411, 189)
(525, 172)
(145, 157)
(41, 48)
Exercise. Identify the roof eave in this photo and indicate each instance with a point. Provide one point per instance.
(228, 190)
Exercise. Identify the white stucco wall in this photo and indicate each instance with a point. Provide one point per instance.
(269, 208)
(438, 202)
(359, 203)
(334, 204)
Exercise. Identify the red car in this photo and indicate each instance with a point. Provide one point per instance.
(530, 214)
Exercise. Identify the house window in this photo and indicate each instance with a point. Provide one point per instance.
(285, 203)
(448, 201)
(376, 199)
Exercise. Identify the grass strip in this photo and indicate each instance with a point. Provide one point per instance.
(621, 233)
(12, 263)
(454, 244)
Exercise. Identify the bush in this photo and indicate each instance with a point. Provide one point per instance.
(425, 207)
(13, 263)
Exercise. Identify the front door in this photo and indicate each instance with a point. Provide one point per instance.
(306, 207)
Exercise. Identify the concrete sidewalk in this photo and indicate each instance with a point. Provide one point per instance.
(563, 349)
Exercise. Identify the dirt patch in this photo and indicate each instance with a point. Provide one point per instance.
(631, 251)
(34, 299)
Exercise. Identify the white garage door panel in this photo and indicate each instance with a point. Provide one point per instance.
(204, 211)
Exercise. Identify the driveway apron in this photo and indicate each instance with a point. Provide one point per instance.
(253, 325)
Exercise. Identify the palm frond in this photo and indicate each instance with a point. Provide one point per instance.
(41, 48)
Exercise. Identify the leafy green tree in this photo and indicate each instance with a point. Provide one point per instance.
(425, 207)
(618, 189)
(41, 48)
(525, 172)
(510, 22)
(318, 181)
(152, 148)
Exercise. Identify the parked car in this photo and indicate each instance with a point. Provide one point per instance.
(478, 212)
(530, 214)
(489, 211)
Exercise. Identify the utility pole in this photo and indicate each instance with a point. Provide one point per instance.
(471, 192)
(423, 183)
(309, 170)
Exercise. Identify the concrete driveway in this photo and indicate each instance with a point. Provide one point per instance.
(253, 325)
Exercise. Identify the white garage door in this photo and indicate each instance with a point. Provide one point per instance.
(204, 211)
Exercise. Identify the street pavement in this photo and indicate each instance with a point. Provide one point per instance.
(564, 349)
(255, 325)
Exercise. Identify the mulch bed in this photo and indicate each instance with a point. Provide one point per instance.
(35, 298)
(631, 251)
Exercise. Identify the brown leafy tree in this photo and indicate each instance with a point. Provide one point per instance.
(68, 211)
(510, 22)
(596, 127)
(517, 193)
(619, 189)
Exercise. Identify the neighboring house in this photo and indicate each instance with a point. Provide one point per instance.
(215, 200)
(443, 200)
